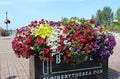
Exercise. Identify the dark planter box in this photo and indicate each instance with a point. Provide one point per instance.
(87, 70)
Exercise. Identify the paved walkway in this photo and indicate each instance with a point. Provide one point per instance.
(114, 62)
(12, 67)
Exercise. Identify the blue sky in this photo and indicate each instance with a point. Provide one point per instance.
(22, 12)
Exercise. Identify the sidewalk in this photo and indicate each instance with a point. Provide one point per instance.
(5, 44)
(12, 67)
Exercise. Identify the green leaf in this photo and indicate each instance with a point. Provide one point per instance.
(86, 57)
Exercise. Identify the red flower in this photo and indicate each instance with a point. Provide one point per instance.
(62, 40)
(75, 43)
(65, 31)
(35, 22)
(101, 29)
(26, 49)
(29, 41)
(42, 21)
(87, 50)
(112, 42)
(22, 38)
(40, 41)
(66, 53)
(59, 48)
(41, 57)
(15, 42)
(90, 46)
(92, 21)
(78, 37)
(47, 50)
(81, 44)
(83, 40)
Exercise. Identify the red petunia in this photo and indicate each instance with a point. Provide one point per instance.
(62, 40)
(41, 57)
(66, 53)
(92, 21)
(59, 48)
(112, 42)
(65, 31)
(83, 40)
(75, 43)
(90, 46)
(26, 50)
(101, 29)
(40, 41)
(47, 50)
(87, 50)
(29, 40)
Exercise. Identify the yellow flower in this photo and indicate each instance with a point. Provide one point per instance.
(92, 25)
(43, 31)
(105, 28)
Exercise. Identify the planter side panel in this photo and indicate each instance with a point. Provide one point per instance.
(87, 70)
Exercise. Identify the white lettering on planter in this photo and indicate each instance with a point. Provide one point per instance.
(97, 72)
(75, 75)
(58, 59)
(66, 76)
(51, 78)
(58, 77)
(62, 76)
(69, 75)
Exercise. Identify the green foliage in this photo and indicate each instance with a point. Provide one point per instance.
(116, 27)
(118, 14)
(105, 16)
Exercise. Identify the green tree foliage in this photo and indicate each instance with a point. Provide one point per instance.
(118, 14)
(116, 25)
(99, 16)
(105, 16)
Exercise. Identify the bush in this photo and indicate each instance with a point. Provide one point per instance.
(1, 31)
(4, 32)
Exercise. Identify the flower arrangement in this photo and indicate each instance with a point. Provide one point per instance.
(77, 40)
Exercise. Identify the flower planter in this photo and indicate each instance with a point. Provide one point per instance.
(49, 70)
(80, 49)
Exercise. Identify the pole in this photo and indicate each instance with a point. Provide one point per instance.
(6, 19)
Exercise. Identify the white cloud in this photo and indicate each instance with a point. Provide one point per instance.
(4, 3)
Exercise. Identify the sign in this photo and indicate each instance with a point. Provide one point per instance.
(56, 70)
(68, 71)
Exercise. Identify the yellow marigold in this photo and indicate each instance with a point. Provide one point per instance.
(44, 31)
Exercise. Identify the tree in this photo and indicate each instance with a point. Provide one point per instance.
(105, 16)
(99, 16)
(116, 24)
(118, 14)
